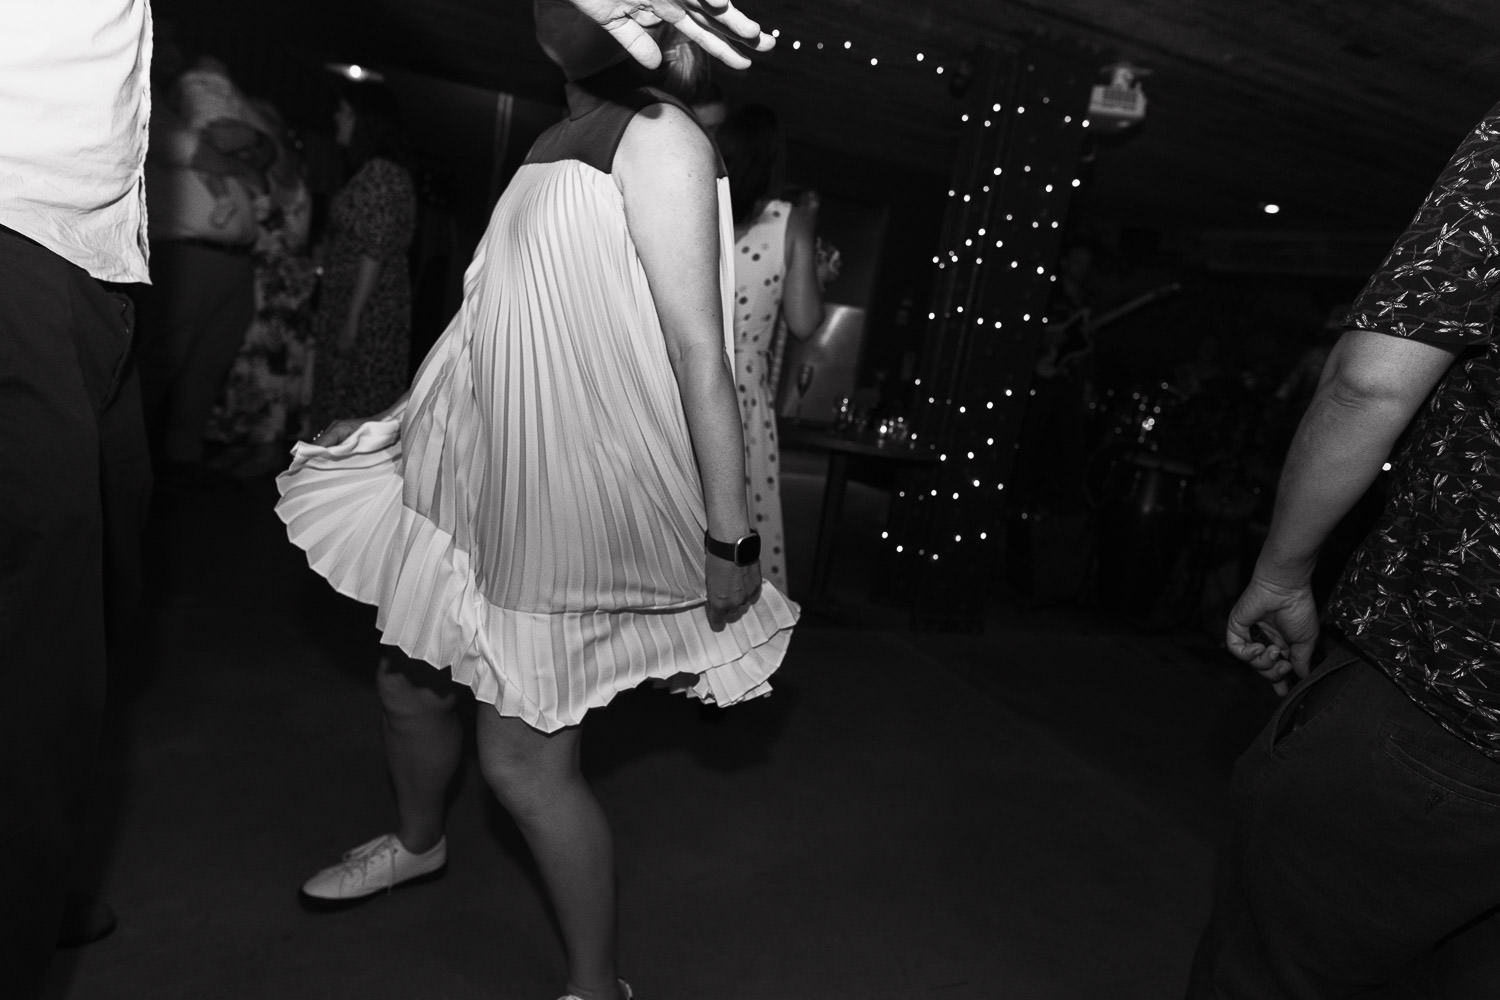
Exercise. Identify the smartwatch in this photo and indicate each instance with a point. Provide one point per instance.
(742, 552)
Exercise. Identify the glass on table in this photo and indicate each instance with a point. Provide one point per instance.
(805, 375)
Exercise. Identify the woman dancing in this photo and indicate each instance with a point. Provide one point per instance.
(556, 510)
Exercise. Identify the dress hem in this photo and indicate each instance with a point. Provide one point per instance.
(343, 506)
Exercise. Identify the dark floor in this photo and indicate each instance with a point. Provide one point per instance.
(1026, 812)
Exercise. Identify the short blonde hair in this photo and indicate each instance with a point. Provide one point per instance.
(685, 71)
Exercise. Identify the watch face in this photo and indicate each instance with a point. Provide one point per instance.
(747, 549)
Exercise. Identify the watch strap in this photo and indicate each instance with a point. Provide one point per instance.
(731, 551)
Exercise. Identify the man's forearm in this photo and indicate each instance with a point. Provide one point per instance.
(1371, 387)
(1336, 454)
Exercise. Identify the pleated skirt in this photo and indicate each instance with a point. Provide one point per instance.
(532, 517)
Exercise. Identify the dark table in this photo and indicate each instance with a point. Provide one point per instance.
(840, 447)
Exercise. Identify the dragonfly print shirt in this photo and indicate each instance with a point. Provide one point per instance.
(1421, 596)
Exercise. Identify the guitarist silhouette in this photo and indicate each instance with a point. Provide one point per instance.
(1056, 436)
(1070, 341)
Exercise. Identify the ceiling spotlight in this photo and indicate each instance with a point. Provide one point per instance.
(1270, 207)
(356, 72)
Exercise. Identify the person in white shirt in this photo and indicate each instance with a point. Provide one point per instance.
(75, 109)
(74, 478)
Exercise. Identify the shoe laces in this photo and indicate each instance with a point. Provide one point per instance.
(357, 862)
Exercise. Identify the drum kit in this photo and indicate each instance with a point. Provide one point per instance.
(1175, 471)
(1170, 480)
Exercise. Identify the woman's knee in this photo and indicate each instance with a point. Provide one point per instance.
(523, 767)
(407, 688)
(518, 786)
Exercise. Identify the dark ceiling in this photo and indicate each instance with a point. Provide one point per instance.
(1342, 111)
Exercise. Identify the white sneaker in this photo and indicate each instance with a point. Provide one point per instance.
(378, 866)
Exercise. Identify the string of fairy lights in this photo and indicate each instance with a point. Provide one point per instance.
(971, 435)
(790, 43)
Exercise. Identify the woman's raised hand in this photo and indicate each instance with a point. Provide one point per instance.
(717, 26)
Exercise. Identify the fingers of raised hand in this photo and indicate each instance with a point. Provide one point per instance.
(712, 43)
(719, 28)
(635, 40)
(727, 18)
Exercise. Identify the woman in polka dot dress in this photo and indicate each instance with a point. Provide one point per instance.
(775, 275)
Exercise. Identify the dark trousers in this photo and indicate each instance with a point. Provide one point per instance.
(1366, 845)
(193, 321)
(74, 484)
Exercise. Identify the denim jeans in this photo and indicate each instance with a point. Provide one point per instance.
(1365, 836)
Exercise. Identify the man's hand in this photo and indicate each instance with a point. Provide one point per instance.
(715, 25)
(1274, 628)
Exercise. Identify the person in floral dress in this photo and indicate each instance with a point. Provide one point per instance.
(363, 325)
(263, 405)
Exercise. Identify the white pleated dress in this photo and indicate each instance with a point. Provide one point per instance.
(533, 517)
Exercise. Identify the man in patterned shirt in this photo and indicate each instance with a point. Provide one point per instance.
(1368, 810)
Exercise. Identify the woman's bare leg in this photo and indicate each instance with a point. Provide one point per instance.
(537, 778)
(423, 742)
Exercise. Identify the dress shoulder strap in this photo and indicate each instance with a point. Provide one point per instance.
(600, 108)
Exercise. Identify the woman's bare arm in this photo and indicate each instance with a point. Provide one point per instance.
(802, 299)
(666, 169)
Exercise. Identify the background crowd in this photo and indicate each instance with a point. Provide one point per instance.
(272, 307)
(280, 303)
